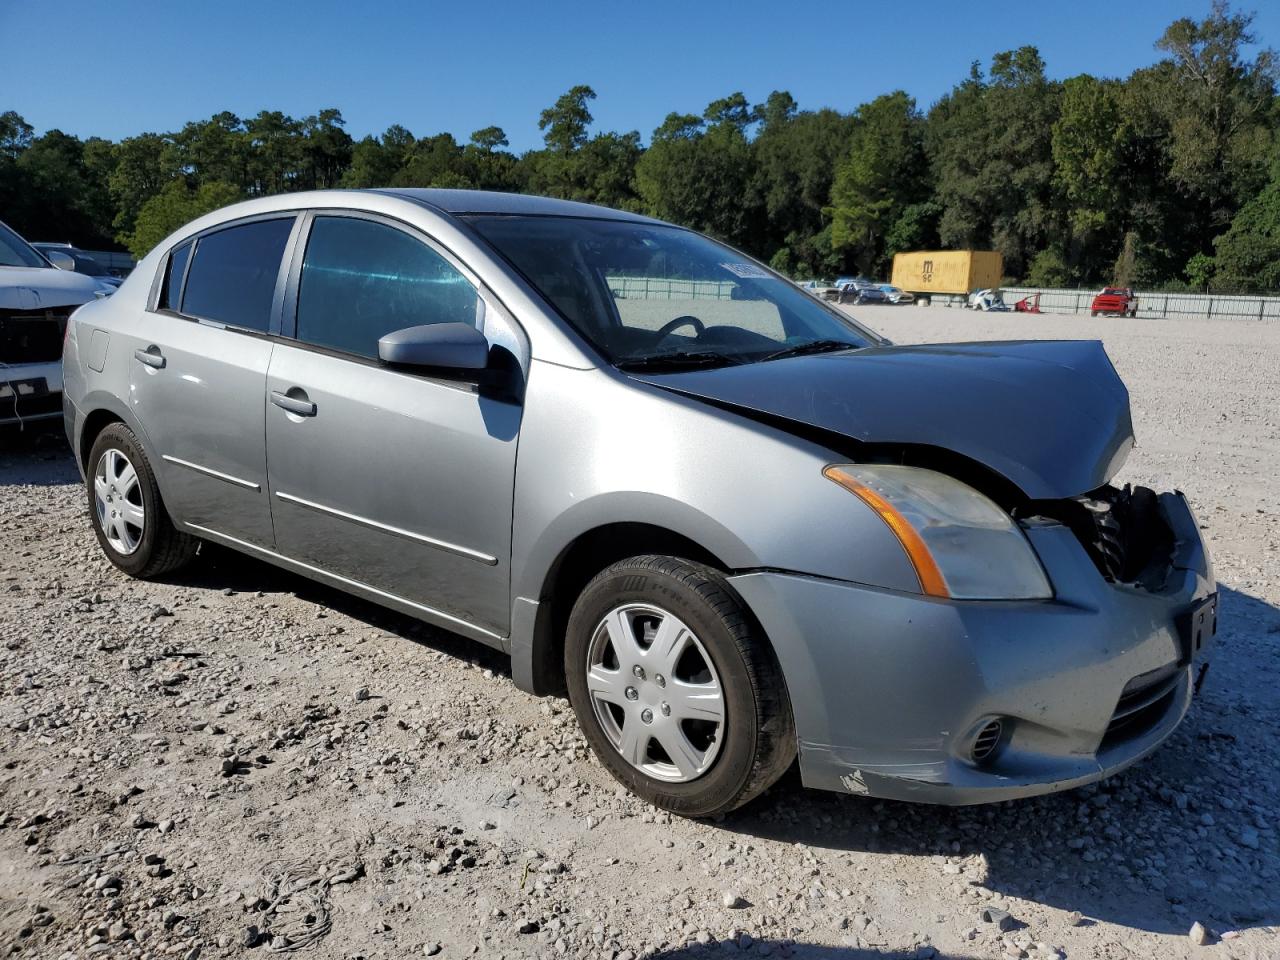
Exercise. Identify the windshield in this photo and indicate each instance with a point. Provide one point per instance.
(16, 252)
(645, 293)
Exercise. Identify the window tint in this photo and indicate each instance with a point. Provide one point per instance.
(232, 278)
(362, 280)
(172, 290)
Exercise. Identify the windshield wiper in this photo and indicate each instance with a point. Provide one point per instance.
(677, 361)
(813, 346)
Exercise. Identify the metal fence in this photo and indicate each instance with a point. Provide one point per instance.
(650, 288)
(1158, 305)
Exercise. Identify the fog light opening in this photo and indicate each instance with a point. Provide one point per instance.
(986, 742)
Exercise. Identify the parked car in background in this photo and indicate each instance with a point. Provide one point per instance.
(897, 294)
(823, 289)
(859, 291)
(987, 300)
(1115, 301)
(35, 301)
(734, 528)
(83, 263)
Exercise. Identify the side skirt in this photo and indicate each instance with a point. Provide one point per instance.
(417, 610)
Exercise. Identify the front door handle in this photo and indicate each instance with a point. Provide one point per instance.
(151, 356)
(299, 405)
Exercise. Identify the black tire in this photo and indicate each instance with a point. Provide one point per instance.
(757, 740)
(162, 548)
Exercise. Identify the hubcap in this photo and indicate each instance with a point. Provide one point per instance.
(117, 498)
(655, 693)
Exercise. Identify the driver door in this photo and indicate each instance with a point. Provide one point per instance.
(386, 478)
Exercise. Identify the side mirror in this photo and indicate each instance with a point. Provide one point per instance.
(441, 346)
(63, 261)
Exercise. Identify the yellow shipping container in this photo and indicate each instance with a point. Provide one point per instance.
(947, 271)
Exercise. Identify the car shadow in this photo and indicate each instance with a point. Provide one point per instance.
(1132, 850)
(36, 456)
(220, 568)
(791, 950)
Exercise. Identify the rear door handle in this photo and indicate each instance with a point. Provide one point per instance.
(299, 405)
(151, 356)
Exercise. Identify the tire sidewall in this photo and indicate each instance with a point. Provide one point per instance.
(734, 763)
(119, 437)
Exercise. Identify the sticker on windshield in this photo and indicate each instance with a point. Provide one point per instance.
(747, 271)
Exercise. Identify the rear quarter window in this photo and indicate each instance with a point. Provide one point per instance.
(233, 272)
(171, 290)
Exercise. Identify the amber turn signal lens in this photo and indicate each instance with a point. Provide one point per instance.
(931, 582)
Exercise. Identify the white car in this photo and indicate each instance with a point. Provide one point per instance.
(36, 298)
(987, 299)
(897, 294)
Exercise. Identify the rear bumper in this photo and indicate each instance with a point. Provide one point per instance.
(890, 690)
(30, 392)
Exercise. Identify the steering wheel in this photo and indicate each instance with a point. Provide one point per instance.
(678, 322)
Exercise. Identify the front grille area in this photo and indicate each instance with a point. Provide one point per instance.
(1123, 531)
(1144, 700)
(32, 336)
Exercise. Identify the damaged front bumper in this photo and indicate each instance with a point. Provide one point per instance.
(30, 392)
(898, 695)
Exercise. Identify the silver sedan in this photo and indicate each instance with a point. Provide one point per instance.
(734, 525)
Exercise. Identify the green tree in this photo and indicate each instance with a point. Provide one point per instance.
(1248, 254)
(375, 162)
(990, 147)
(1217, 103)
(72, 202)
(565, 125)
(144, 164)
(174, 206)
(699, 172)
(883, 173)
(795, 157)
(1088, 143)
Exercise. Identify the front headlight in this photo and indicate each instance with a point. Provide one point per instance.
(961, 544)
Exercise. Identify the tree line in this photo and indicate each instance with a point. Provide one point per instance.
(1169, 178)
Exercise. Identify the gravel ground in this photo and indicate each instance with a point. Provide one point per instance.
(239, 761)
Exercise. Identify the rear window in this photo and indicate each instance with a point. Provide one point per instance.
(232, 277)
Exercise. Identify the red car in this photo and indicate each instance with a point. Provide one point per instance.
(1117, 301)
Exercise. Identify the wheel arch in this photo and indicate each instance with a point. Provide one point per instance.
(538, 632)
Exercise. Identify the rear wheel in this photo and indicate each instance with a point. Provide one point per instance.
(676, 689)
(129, 518)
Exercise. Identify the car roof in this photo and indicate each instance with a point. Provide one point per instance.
(460, 202)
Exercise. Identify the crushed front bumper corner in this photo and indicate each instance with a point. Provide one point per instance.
(889, 689)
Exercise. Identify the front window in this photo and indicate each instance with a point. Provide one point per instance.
(362, 280)
(16, 252)
(648, 295)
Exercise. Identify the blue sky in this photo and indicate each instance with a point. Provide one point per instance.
(119, 68)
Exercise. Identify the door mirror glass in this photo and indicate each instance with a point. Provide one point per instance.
(442, 346)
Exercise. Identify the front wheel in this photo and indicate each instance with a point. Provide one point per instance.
(675, 687)
(129, 518)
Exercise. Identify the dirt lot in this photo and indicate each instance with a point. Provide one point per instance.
(239, 761)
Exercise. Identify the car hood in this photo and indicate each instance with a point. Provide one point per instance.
(1052, 417)
(38, 288)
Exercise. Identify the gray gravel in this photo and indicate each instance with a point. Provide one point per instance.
(239, 762)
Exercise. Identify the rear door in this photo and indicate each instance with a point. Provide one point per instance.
(198, 369)
(389, 478)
